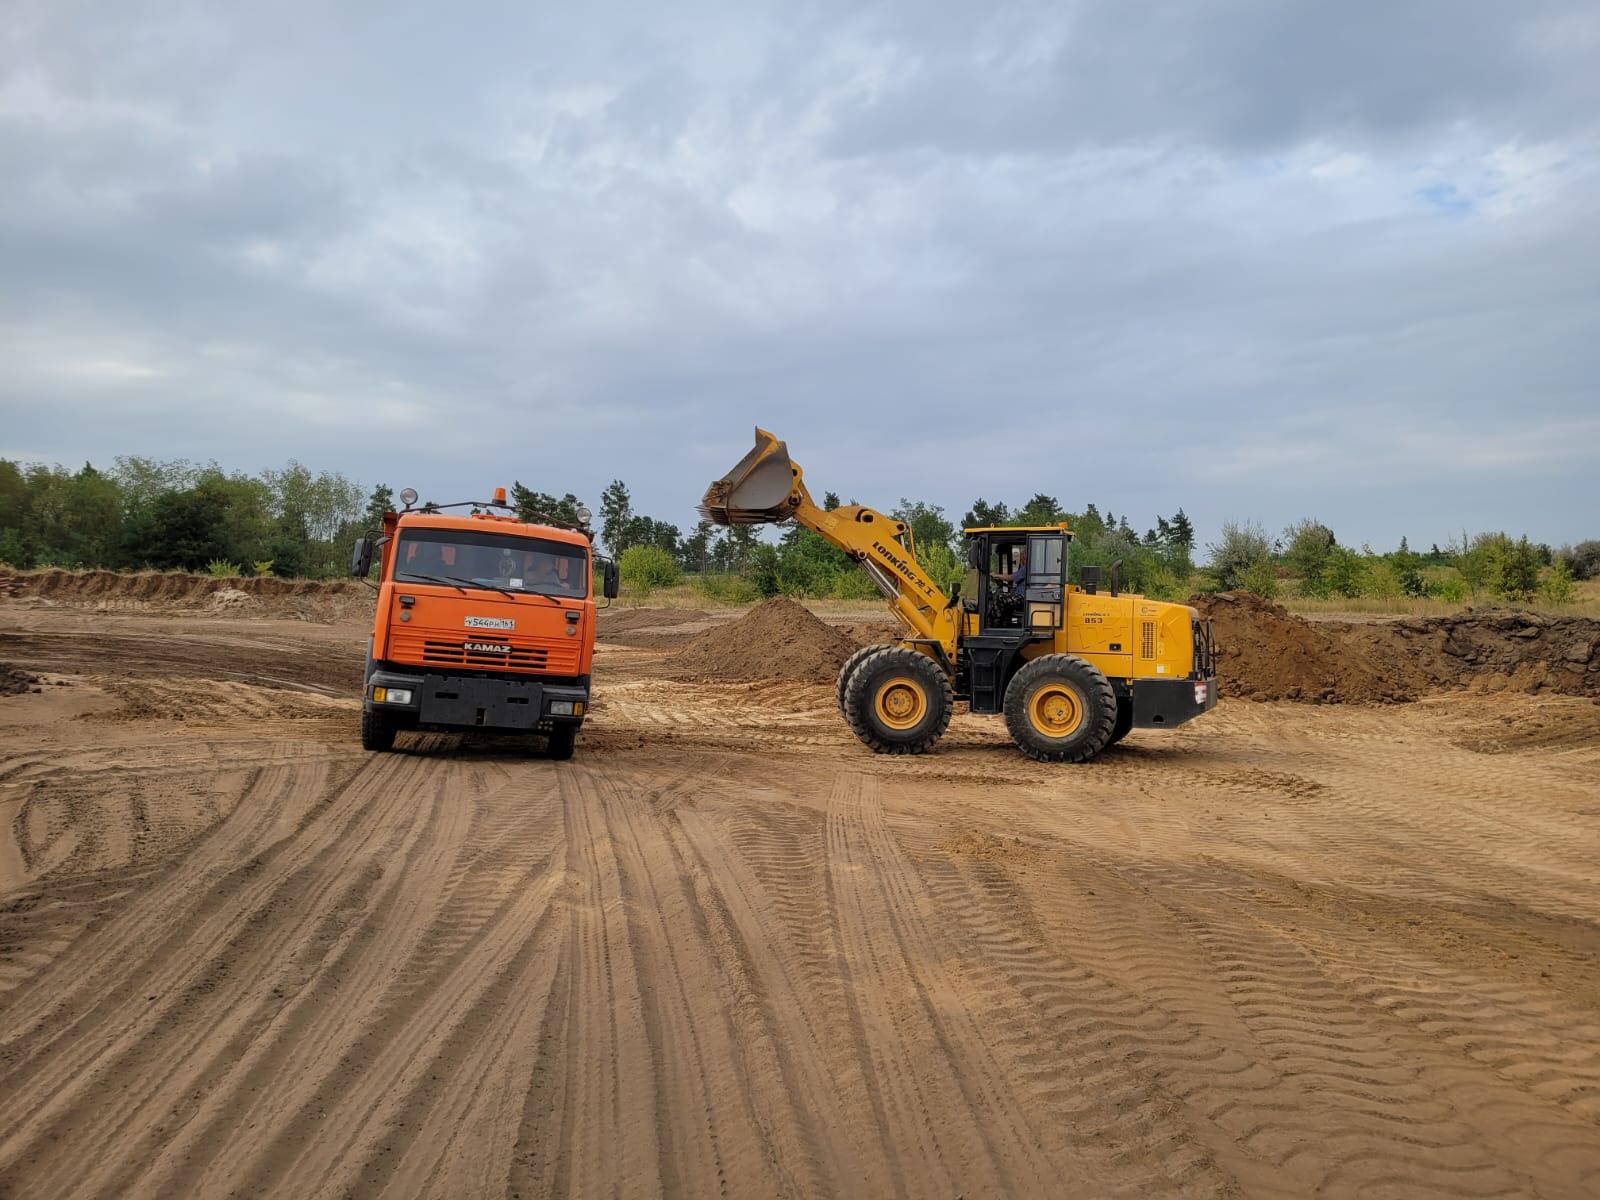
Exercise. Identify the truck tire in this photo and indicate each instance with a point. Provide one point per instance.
(1124, 722)
(897, 701)
(1060, 709)
(377, 730)
(850, 665)
(562, 740)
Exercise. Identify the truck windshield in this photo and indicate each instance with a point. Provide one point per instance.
(492, 560)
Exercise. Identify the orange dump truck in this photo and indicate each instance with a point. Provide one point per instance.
(484, 622)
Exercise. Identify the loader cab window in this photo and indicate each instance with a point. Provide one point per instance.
(470, 558)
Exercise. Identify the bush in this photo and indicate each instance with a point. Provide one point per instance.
(1514, 568)
(1241, 548)
(1346, 573)
(1259, 576)
(219, 568)
(1557, 585)
(1383, 582)
(727, 589)
(262, 567)
(1307, 545)
(1452, 589)
(853, 584)
(645, 568)
(1583, 560)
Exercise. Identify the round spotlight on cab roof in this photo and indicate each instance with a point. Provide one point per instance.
(408, 496)
(584, 515)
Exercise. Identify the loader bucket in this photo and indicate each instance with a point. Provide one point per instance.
(758, 489)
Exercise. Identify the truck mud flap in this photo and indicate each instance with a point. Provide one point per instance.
(490, 703)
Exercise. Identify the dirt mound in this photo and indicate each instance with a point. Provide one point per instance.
(776, 640)
(1267, 653)
(312, 599)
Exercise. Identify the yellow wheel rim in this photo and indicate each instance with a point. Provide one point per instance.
(900, 703)
(1056, 710)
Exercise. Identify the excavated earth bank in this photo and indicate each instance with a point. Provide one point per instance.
(1267, 653)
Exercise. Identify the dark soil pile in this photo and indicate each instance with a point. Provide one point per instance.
(1266, 653)
(776, 640)
(14, 681)
(1492, 649)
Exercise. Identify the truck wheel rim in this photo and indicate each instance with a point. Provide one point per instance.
(1055, 710)
(900, 703)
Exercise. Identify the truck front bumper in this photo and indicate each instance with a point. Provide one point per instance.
(455, 702)
(1163, 703)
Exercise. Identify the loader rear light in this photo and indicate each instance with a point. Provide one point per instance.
(1201, 691)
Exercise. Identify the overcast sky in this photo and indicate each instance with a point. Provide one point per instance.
(1252, 258)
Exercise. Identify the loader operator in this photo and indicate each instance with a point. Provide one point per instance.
(1018, 579)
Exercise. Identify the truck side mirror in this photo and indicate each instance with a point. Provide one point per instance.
(361, 558)
(613, 580)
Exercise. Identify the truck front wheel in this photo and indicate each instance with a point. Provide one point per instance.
(377, 730)
(562, 740)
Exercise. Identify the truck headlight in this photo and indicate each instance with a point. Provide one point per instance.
(561, 708)
(391, 695)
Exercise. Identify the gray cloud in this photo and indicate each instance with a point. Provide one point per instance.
(1249, 259)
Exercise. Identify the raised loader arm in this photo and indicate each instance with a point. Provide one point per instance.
(767, 487)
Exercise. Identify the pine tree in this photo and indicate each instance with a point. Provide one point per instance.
(380, 502)
(1182, 531)
(616, 516)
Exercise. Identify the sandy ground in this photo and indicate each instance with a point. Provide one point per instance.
(1288, 950)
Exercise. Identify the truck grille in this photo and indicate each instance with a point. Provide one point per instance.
(522, 654)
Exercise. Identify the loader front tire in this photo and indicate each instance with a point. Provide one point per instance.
(377, 730)
(1124, 722)
(1060, 709)
(896, 700)
(850, 665)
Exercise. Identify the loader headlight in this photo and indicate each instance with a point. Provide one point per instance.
(391, 695)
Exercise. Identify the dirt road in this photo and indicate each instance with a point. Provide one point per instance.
(1288, 950)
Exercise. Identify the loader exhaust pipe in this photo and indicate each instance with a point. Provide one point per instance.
(758, 491)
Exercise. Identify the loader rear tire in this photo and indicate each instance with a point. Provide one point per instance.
(850, 665)
(1060, 709)
(896, 700)
(377, 730)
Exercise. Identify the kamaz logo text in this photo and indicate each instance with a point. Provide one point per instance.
(487, 648)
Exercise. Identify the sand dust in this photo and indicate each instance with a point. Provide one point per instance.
(1291, 949)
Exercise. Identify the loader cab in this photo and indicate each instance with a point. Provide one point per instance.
(995, 605)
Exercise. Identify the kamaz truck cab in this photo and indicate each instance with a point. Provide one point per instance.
(484, 622)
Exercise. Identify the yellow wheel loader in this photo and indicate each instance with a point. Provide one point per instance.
(1071, 667)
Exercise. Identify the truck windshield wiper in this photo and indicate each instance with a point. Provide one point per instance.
(461, 584)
